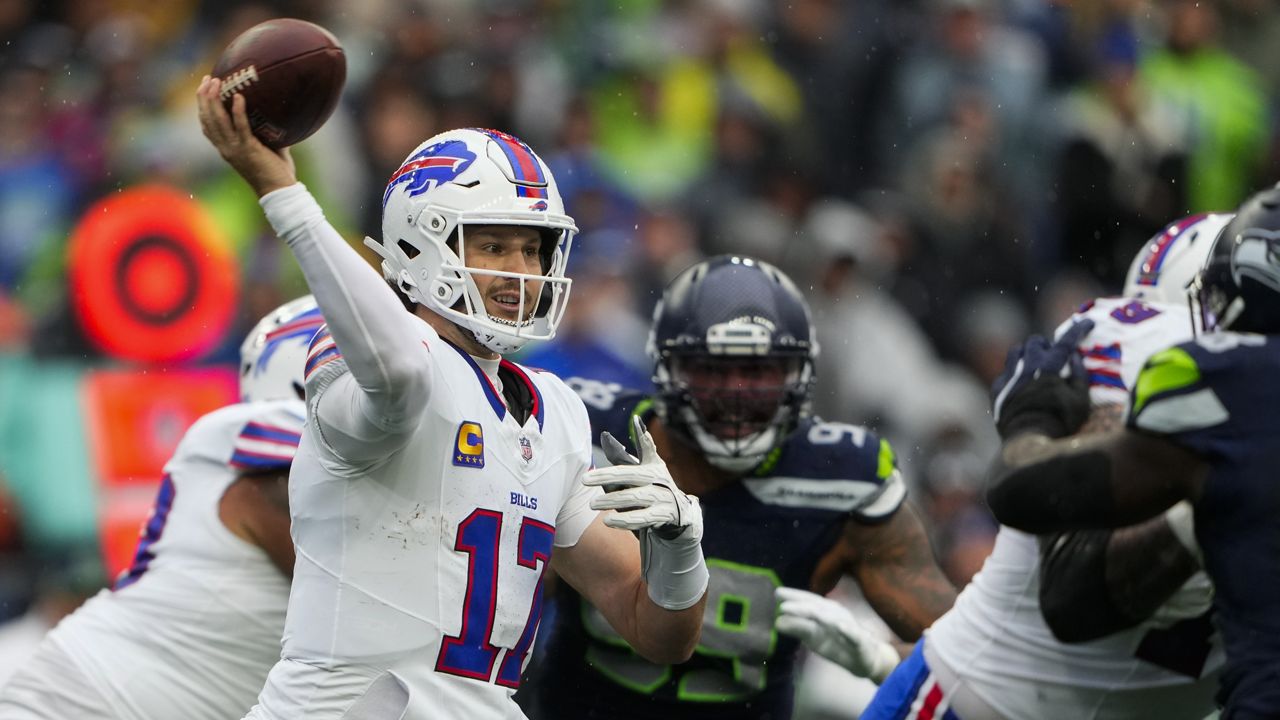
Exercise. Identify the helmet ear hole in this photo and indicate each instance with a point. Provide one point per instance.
(408, 249)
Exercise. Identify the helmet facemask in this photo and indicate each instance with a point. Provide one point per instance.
(542, 297)
(733, 349)
(738, 396)
(736, 409)
(1238, 288)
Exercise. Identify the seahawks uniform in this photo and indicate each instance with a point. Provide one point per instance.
(1218, 397)
(192, 627)
(995, 641)
(769, 529)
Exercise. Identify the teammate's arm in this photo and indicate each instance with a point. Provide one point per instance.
(369, 324)
(895, 567)
(256, 508)
(604, 567)
(1097, 582)
(1114, 479)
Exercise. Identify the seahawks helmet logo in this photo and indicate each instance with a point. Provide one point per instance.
(1257, 256)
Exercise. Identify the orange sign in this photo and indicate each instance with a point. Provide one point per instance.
(152, 277)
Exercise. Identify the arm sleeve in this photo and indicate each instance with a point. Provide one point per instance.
(268, 439)
(377, 339)
(1074, 597)
(890, 491)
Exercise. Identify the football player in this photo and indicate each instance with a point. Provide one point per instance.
(788, 500)
(1105, 624)
(434, 477)
(1202, 427)
(191, 628)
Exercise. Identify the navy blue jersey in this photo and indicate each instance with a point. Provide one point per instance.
(769, 529)
(1219, 397)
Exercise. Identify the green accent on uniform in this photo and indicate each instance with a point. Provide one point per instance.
(743, 605)
(764, 619)
(600, 663)
(769, 463)
(642, 408)
(887, 460)
(1168, 370)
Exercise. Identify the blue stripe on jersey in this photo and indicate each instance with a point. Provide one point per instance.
(490, 391)
(1107, 379)
(151, 533)
(314, 362)
(256, 431)
(255, 461)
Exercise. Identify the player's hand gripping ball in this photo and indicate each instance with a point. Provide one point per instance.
(291, 74)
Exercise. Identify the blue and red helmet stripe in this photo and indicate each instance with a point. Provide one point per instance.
(524, 164)
(1149, 273)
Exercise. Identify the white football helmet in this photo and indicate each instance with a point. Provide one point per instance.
(274, 354)
(1165, 266)
(474, 177)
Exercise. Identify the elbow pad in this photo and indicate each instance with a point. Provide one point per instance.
(1074, 598)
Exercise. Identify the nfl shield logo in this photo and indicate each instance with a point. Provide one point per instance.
(526, 450)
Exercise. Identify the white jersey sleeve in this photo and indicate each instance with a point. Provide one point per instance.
(369, 328)
(1125, 333)
(576, 513)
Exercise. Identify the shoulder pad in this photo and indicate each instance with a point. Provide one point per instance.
(832, 466)
(610, 407)
(324, 362)
(268, 438)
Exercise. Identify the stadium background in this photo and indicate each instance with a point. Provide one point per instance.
(942, 176)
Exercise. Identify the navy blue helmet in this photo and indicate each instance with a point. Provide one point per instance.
(1239, 287)
(733, 348)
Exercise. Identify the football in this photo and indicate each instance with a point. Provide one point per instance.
(290, 72)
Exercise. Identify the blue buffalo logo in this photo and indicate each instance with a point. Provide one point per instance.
(435, 165)
(540, 205)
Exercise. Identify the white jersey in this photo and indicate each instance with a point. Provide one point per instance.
(424, 511)
(191, 629)
(996, 633)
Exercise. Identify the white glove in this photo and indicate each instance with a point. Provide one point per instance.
(666, 520)
(830, 630)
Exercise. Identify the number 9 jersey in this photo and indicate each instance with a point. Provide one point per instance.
(770, 528)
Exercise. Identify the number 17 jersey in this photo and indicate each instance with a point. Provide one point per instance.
(418, 579)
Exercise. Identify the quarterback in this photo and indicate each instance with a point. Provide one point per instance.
(437, 481)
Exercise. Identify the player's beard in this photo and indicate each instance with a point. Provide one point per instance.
(513, 288)
(737, 414)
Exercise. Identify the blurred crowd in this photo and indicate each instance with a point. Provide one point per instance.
(941, 176)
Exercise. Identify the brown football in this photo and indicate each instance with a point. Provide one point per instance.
(290, 72)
